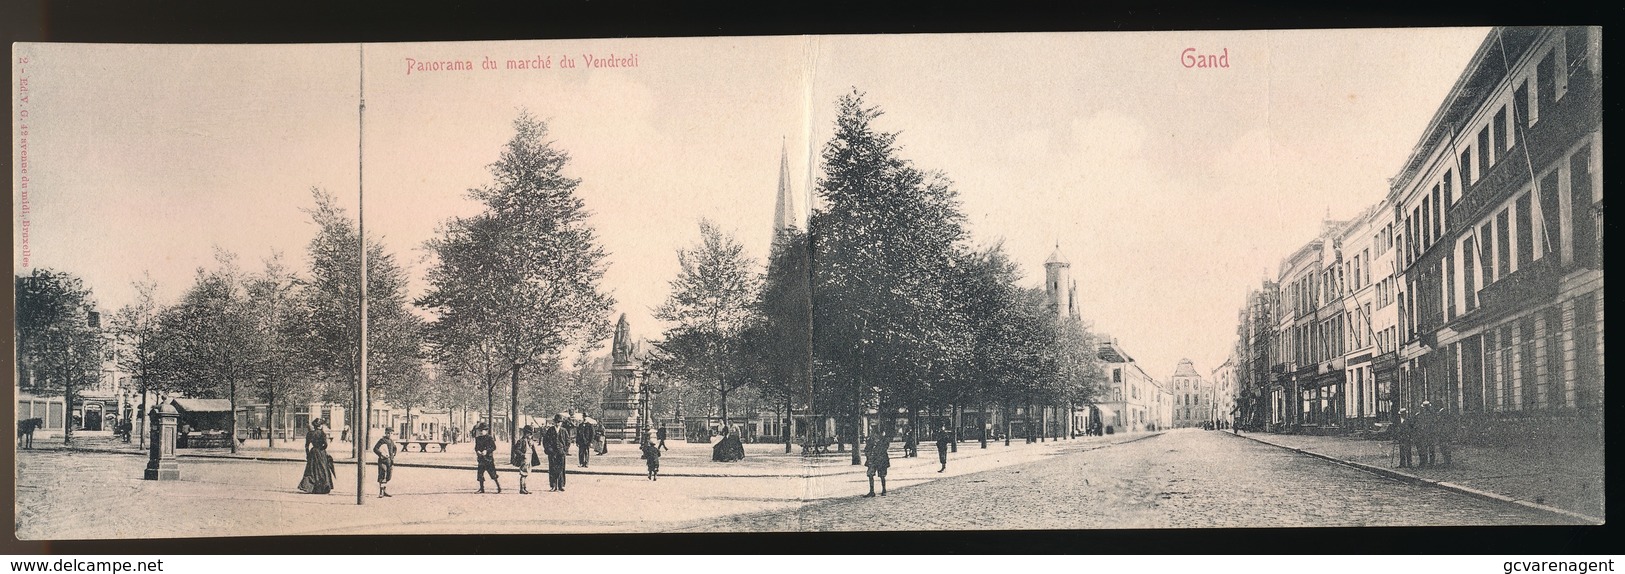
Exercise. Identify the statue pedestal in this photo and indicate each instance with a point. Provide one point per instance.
(161, 462)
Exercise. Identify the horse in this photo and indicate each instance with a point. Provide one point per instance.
(25, 431)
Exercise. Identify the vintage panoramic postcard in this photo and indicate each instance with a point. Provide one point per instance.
(810, 283)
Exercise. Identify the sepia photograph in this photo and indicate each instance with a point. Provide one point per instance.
(1105, 280)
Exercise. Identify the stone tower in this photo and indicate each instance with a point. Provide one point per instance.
(1059, 286)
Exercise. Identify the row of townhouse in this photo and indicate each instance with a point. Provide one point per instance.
(1475, 284)
(1501, 252)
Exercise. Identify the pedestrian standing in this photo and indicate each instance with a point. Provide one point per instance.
(318, 478)
(385, 450)
(1447, 428)
(1404, 434)
(584, 441)
(556, 445)
(1426, 434)
(651, 457)
(911, 444)
(944, 439)
(660, 434)
(523, 455)
(485, 449)
(878, 459)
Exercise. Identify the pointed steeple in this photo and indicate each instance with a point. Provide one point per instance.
(784, 210)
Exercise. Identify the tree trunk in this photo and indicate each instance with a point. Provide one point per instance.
(513, 405)
(953, 433)
(1007, 428)
(788, 424)
(857, 424)
(142, 414)
(1027, 424)
(231, 432)
(981, 419)
(490, 401)
(914, 419)
(722, 395)
(270, 423)
(68, 396)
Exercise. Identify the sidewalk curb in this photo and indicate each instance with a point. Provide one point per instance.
(1441, 484)
(846, 470)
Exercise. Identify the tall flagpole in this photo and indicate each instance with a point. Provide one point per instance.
(362, 405)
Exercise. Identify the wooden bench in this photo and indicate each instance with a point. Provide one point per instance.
(815, 448)
(423, 445)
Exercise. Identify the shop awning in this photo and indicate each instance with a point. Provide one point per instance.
(202, 405)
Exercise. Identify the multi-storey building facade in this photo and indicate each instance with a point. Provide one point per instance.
(1359, 247)
(1193, 397)
(1256, 355)
(1133, 400)
(1476, 283)
(1310, 323)
(1224, 393)
(1501, 207)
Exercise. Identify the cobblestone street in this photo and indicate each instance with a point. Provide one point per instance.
(1181, 479)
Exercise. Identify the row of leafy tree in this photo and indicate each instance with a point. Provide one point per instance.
(881, 306)
(510, 290)
(271, 335)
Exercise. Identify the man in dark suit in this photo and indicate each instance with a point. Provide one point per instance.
(584, 437)
(1404, 436)
(1424, 434)
(485, 449)
(556, 444)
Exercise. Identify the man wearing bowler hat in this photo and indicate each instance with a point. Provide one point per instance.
(556, 444)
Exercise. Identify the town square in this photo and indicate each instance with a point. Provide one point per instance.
(819, 285)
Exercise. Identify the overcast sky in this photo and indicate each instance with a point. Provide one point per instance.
(1171, 190)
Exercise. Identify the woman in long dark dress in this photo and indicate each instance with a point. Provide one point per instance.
(318, 477)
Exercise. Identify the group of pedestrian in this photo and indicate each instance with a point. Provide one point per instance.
(877, 454)
(1429, 433)
(555, 442)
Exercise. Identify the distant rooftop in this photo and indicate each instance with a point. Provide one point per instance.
(1186, 369)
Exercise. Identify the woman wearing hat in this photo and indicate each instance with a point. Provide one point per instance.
(319, 473)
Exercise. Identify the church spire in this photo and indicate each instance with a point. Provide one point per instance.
(784, 210)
